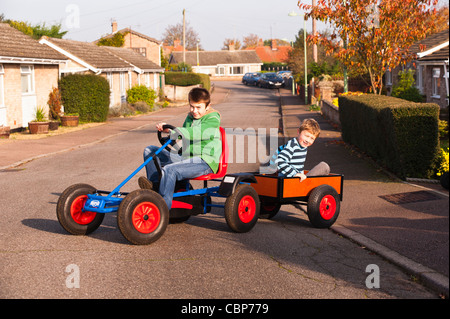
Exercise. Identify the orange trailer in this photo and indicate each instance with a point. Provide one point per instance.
(321, 194)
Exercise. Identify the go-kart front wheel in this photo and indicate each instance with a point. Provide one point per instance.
(242, 209)
(69, 210)
(142, 217)
(323, 206)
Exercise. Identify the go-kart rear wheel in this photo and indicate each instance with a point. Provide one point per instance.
(323, 206)
(242, 209)
(69, 210)
(142, 217)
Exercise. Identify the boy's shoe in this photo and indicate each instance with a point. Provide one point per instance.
(144, 183)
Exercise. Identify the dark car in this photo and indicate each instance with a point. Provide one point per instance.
(271, 80)
(251, 78)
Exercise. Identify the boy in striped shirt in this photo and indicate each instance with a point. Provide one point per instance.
(291, 159)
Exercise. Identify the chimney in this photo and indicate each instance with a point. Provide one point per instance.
(260, 42)
(114, 26)
(231, 46)
(176, 43)
(274, 44)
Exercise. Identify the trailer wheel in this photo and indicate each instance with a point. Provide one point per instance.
(323, 206)
(268, 210)
(242, 209)
(69, 210)
(142, 217)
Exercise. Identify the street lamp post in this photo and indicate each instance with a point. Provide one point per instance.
(294, 14)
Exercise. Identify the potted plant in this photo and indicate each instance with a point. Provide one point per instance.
(4, 131)
(70, 119)
(54, 108)
(40, 123)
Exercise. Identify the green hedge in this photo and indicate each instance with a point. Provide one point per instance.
(187, 79)
(87, 95)
(402, 135)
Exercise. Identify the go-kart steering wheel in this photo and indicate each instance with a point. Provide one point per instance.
(175, 145)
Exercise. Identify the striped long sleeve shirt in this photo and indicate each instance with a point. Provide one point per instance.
(291, 160)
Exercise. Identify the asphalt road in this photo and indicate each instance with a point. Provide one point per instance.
(200, 259)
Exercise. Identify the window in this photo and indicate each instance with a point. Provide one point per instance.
(27, 79)
(436, 82)
(419, 78)
(142, 51)
(220, 70)
(236, 70)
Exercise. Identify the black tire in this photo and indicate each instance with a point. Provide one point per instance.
(142, 217)
(444, 180)
(242, 209)
(323, 206)
(268, 210)
(70, 214)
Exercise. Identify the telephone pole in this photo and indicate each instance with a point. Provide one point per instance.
(184, 35)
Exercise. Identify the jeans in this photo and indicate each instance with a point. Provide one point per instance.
(173, 168)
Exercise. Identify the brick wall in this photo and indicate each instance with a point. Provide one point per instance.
(152, 48)
(45, 78)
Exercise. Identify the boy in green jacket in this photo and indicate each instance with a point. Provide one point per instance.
(201, 132)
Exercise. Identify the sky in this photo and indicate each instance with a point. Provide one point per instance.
(213, 20)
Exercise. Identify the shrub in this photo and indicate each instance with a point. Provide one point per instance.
(187, 79)
(87, 95)
(402, 135)
(405, 88)
(54, 104)
(141, 93)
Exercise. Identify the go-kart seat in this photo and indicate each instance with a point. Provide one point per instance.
(223, 164)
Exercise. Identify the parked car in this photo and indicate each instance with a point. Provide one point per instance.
(271, 80)
(285, 74)
(251, 78)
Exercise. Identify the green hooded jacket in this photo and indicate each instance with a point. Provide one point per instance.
(204, 137)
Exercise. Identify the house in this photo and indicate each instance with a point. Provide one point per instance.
(431, 68)
(147, 46)
(28, 73)
(272, 53)
(123, 68)
(168, 49)
(224, 64)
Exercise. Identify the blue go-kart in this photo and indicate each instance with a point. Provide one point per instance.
(143, 216)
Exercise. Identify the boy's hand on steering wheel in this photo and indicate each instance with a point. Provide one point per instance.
(160, 128)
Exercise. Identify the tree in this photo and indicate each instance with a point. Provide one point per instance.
(228, 42)
(378, 33)
(175, 32)
(250, 41)
(36, 31)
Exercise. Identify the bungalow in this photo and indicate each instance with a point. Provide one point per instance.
(28, 73)
(431, 68)
(123, 68)
(224, 64)
(272, 53)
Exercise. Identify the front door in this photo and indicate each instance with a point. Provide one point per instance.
(29, 103)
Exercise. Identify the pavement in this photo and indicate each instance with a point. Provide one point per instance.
(413, 236)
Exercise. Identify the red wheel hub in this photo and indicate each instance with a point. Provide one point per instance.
(76, 211)
(146, 217)
(246, 209)
(327, 207)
